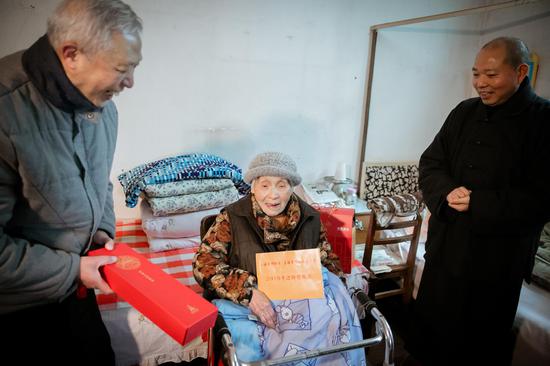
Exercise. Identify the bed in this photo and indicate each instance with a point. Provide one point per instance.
(135, 339)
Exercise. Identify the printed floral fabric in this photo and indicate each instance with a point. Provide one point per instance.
(388, 180)
(173, 226)
(210, 266)
(192, 202)
(162, 244)
(187, 187)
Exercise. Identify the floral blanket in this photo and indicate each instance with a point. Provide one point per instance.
(162, 206)
(187, 187)
(301, 325)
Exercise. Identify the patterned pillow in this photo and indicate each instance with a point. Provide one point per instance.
(385, 208)
(380, 180)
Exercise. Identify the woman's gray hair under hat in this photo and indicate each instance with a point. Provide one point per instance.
(273, 164)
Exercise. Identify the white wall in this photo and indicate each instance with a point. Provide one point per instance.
(238, 77)
(422, 71)
(531, 23)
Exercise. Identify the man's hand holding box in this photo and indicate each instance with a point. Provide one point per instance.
(176, 309)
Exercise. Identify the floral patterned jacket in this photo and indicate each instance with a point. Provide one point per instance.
(211, 265)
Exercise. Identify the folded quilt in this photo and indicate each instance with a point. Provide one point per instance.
(162, 244)
(173, 169)
(173, 226)
(385, 208)
(187, 187)
(192, 202)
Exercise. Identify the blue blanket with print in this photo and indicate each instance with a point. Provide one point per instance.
(301, 325)
(173, 169)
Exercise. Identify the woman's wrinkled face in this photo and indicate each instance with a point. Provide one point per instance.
(272, 194)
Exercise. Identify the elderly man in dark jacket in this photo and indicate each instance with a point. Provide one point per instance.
(58, 130)
(485, 183)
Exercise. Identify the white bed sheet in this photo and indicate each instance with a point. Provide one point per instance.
(138, 341)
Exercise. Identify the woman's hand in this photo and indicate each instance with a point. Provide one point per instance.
(260, 305)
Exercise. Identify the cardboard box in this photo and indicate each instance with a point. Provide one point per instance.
(179, 311)
(339, 225)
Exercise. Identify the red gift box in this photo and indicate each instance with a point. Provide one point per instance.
(175, 308)
(338, 223)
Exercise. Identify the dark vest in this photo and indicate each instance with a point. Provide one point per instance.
(247, 236)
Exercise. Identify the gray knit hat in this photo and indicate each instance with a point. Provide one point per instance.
(273, 164)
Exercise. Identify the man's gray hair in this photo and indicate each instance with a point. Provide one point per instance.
(92, 23)
(517, 52)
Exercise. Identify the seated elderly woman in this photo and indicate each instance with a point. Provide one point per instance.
(272, 218)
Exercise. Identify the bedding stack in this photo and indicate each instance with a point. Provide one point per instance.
(177, 193)
(171, 213)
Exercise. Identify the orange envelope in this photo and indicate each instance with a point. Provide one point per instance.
(290, 275)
